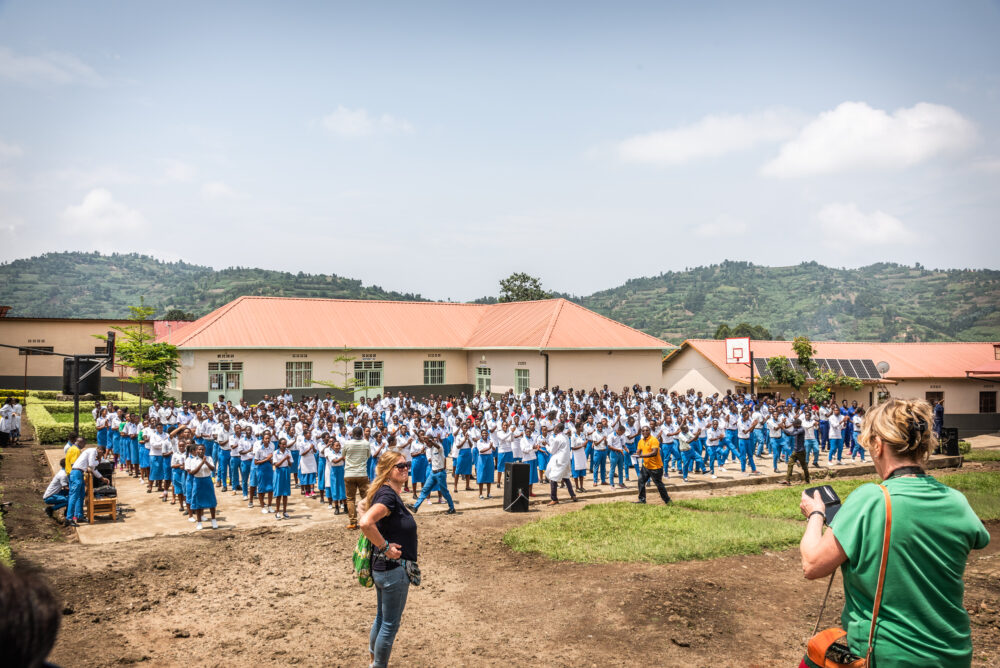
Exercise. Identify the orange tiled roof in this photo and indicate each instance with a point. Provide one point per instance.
(906, 360)
(278, 322)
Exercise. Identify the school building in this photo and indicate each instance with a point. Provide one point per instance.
(965, 375)
(261, 345)
(33, 366)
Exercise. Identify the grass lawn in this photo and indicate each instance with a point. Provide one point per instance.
(703, 528)
(67, 418)
(610, 532)
(980, 455)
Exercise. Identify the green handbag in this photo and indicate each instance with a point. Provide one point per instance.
(363, 562)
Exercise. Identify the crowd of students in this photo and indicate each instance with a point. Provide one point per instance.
(190, 453)
(10, 421)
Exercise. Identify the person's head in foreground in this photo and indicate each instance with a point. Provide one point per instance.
(921, 619)
(29, 619)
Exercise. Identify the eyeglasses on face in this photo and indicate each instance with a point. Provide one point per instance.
(402, 466)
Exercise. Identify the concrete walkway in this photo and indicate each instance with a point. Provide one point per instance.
(144, 515)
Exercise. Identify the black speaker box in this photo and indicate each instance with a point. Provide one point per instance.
(949, 441)
(515, 487)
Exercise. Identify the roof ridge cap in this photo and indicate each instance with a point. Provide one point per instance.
(552, 323)
(620, 324)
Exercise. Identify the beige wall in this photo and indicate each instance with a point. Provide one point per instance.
(71, 337)
(960, 395)
(265, 369)
(690, 369)
(590, 369)
(502, 364)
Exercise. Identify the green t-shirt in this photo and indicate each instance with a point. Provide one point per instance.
(922, 620)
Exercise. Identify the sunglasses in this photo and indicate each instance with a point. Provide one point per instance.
(402, 466)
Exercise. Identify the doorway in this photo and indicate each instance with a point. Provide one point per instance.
(225, 378)
(367, 379)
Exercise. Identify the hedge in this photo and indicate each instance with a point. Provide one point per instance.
(47, 430)
(125, 397)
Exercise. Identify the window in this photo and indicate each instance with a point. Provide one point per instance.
(484, 379)
(36, 350)
(225, 375)
(434, 372)
(298, 374)
(522, 380)
(988, 402)
(996, 351)
(933, 396)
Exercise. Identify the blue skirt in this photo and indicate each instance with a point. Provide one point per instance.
(133, 448)
(319, 477)
(102, 437)
(283, 481)
(446, 444)
(307, 479)
(418, 469)
(337, 489)
(485, 471)
(252, 478)
(202, 493)
(463, 462)
(543, 460)
(372, 464)
(143, 457)
(265, 477)
(296, 456)
(533, 470)
(188, 486)
(155, 468)
(503, 458)
(177, 478)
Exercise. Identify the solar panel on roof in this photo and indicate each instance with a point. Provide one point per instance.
(848, 368)
(761, 364)
(859, 370)
(835, 366)
(872, 369)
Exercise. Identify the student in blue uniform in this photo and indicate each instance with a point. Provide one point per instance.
(282, 461)
(200, 469)
(264, 469)
(463, 458)
(485, 469)
(338, 491)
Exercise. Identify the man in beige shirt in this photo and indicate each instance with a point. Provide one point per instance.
(355, 473)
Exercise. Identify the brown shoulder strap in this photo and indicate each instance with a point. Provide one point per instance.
(881, 570)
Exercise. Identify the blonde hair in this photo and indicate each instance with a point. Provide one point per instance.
(904, 425)
(385, 464)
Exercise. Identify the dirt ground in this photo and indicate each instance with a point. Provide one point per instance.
(277, 596)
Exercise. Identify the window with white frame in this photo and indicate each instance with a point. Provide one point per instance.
(434, 372)
(298, 374)
(522, 380)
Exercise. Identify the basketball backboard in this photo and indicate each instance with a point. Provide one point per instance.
(738, 351)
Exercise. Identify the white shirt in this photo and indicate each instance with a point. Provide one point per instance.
(87, 461)
(60, 480)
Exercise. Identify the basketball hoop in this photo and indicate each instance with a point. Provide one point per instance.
(738, 351)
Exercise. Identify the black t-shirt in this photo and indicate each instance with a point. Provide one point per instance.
(397, 527)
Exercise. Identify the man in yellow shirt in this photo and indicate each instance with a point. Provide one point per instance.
(72, 452)
(648, 450)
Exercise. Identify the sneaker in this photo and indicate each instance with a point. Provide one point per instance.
(277, 516)
(285, 515)
(450, 511)
(215, 524)
(250, 505)
(192, 519)
(49, 510)
(198, 527)
(715, 477)
(412, 508)
(263, 511)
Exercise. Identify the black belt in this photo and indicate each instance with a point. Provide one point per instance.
(438, 470)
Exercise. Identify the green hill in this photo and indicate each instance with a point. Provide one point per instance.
(91, 285)
(882, 302)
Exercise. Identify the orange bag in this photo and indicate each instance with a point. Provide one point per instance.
(824, 650)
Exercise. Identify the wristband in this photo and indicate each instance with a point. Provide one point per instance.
(817, 512)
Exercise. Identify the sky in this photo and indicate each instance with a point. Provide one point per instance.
(438, 147)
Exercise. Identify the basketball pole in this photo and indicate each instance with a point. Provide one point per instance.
(751, 373)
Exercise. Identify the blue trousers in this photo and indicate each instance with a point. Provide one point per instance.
(234, 471)
(222, 467)
(57, 501)
(617, 464)
(729, 447)
(776, 449)
(712, 454)
(392, 588)
(836, 446)
(824, 433)
(245, 466)
(600, 463)
(760, 439)
(77, 488)
(436, 482)
(812, 449)
(746, 454)
(690, 458)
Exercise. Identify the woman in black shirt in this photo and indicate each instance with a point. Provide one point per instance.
(392, 530)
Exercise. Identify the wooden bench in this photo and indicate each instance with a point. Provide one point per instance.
(99, 506)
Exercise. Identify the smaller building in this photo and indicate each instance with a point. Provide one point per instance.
(964, 375)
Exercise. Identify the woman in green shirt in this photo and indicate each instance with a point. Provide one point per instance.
(922, 620)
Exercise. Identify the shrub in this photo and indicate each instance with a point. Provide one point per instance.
(47, 430)
(964, 447)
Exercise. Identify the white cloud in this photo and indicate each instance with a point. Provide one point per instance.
(10, 150)
(855, 136)
(988, 164)
(353, 123)
(844, 226)
(217, 190)
(50, 68)
(100, 214)
(178, 171)
(722, 228)
(711, 136)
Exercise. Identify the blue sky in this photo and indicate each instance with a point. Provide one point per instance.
(437, 147)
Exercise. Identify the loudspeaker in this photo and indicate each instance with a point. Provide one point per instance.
(515, 487)
(949, 441)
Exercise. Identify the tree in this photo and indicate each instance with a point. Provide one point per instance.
(178, 314)
(150, 364)
(820, 381)
(350, 382)
(755, 332)
(520, 287)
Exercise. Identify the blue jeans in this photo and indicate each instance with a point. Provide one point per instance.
(392, 588)
(439, 482)
(690, 457)
(57, 501)
(836, 446)
(600, 463)
(712, 454)
(812, 449)
(617, 464)
(77, 488)
(222, 468)
(746, 454)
